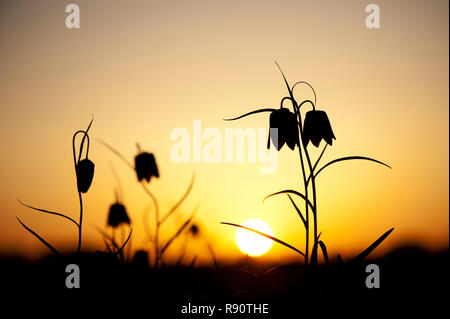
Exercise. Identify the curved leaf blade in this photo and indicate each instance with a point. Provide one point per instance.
(48, 212)
(116, 152)
(324, 251)
(180, 201)
(53, 249)
(286, 191)
(179, 231)
(298, 211)
(250, 113)
(374, 245)
(267, 236)
(347, 158)
(125, 243)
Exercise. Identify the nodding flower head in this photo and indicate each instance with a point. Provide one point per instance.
(286, 123)
(84, 168)
(85, 174)
(317, 127)
(145, 165)
(118, 215)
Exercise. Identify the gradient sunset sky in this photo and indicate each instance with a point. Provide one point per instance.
(144, 68)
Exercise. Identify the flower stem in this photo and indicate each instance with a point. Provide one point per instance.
(313, 180)
(80, 222)
(157, 223)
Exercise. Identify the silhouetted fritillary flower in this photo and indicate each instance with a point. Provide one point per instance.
(145, 165)
(286, 123)
(85, 174)
(317, 127)
(118, 215)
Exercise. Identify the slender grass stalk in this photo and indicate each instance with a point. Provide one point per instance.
(157, 223)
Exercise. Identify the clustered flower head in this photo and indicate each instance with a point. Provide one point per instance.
(317, 127)
(145, 166)
(285, 123)
(118, 215)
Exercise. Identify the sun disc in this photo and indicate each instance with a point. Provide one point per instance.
(251, 243)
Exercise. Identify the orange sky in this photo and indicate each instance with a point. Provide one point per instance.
(144, 68)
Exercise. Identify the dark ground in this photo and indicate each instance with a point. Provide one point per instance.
(410, 278)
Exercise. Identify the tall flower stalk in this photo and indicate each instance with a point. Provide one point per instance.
(84, 172)
(314, 128)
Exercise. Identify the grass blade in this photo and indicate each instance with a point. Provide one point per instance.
(48, 212)
(285, 81)
(250, 113)
(298, 211)
(374, 245)
(193, 262)
(314, 251)
(108, 237)
(347, 159)
(83, 139)
(316, 163)
(292, 192)
(314, 255)
(213, 256)
(53, 249)
(117, 153)
(267, 236)
(125, 243)
(324, 251)
(179, 231)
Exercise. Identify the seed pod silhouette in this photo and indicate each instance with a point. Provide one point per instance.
(317, 127)
(145, 166)
(286, 123)
(85, 174)
(118, 215)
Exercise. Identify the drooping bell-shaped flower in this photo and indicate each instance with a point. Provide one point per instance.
(85, 174)
(286, 123)
(145, 165)
(117, 215)
(317, 127)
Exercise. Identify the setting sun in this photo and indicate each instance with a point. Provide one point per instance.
(251, 243)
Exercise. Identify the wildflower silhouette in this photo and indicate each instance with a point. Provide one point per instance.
(317, 127)
(145, 167)
(118, 215)
(292, 130)
(283, 123)
(84, 172)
